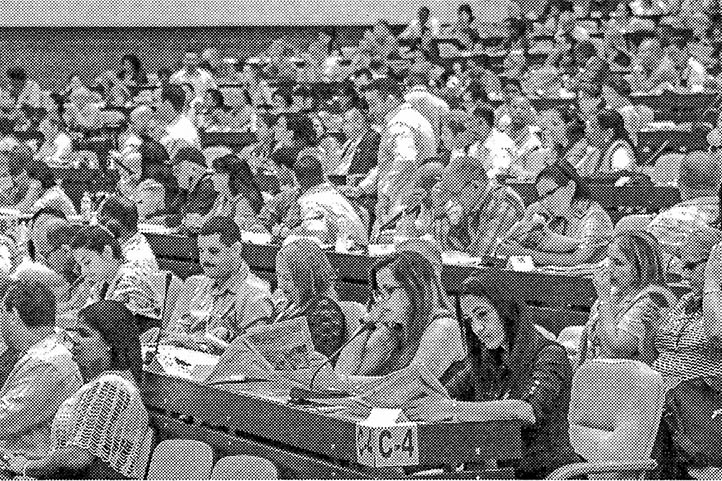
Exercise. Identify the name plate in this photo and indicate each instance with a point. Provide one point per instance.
(396, 445)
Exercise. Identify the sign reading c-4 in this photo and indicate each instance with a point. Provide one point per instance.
(396, 445)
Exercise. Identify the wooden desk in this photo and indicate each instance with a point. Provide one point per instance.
(327, 443)
(233, 140)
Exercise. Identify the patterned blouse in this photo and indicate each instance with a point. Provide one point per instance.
(591, 224)
(685, 351)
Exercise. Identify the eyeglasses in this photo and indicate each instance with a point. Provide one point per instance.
(690, 266)
(384, 293)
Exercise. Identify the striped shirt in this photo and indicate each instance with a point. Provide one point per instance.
(685, 351)
(591, 224)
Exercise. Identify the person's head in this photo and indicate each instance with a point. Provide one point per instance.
(58, 255)
(465, 14)
(382, 96)
(233, 176)
(17, 77)
(650, 53)
(106, 338)
(699, 175)
(694, 253)
(635, 261)
(191, 61)
(589, 98)
(119, 214)
(40, 171)
(29, 308)
(282, 99)
(559, 186)
(98, 253)
(606, 127)
(424, 14)
(463, 183)
(152, 153)
(296, 129)
(511, 88)
(308, 171)
(516, 28)
(678, 53)
(130, 63)
(172, 102)
(220, 248)
(212, 57)
(406, 295)
(473, 95)
(521, 111)
(304, 272)
(362, 78)
(142, 120)
(479, 124)
(38, 229)
(189, 165)
(382, 30)
(355, 123)
(214, 100)
(553, 129)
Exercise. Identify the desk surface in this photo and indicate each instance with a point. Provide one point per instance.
(307, 430)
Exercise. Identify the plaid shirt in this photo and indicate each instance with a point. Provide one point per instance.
(479, 232)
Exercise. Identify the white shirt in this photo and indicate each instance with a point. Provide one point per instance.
(414, 28)
(429, 105)
(322, 207)
(496, 152)
(695, 73)
(201, 80)
(180, 133)
(30, 95)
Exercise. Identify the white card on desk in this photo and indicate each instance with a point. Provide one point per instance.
(520, 263)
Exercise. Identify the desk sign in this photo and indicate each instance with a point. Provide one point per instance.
(390, 445)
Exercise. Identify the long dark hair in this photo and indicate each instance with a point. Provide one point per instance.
(241, 179)
(117, 325)
(611, 119)
(563, 172)
(524, 341)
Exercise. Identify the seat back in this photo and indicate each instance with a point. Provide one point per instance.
(181, 459)
(353, 312)
(141, 467)
(615, 410)
(666, 168)
(244, 467)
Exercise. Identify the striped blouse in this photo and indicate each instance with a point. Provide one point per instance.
(685, 351)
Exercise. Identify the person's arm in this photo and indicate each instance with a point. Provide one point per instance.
(441, 345)
(620, 338)
(712, 300)
(349, 361)
(258, 308)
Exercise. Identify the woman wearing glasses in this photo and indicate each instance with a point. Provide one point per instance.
(511, 372)
(687, 341)
(413, 319)
(566, 227)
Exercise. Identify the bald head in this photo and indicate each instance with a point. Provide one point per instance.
(142, 119)
(699, 175)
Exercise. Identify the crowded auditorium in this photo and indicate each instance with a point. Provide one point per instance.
(478, 240)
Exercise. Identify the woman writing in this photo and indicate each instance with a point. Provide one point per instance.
(511, 372)
(239, 196)
(97, 433)
(414, 323)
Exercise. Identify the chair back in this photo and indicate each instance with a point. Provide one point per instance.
(181, 459)
(615, 410)
(244, 467)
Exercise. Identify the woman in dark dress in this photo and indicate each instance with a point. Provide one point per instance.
(511, 373)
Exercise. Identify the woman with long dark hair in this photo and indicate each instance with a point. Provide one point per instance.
(511, 372)
(239, 196)
(606, 132)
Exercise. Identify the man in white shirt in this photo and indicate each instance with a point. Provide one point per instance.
(180, 131)
(416, 27)
(692, 73)
(407, 140)
(25, 91)
(192, 74)
(429, 105)
(481, 140)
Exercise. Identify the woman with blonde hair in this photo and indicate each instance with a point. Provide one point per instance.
(306, 279)
(632, 300)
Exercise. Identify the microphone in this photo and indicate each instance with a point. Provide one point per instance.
(300, 393)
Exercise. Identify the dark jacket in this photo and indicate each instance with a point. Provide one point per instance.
(367, 152)
(198, 201)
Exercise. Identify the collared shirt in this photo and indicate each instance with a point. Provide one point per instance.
(178, 134)
(137, 250)
(429, 105)
(323, 207)
(43, 378)
(201, 80)
(672, 226)
(240, 303)
(56, 152)
(406, 141)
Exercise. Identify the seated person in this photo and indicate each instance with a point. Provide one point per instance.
(414, 322)
(698, 182)
(655, 70)
(83, 113)
(578, 229)
(323, 208)
(121, 215)
(239, 196)
(524, 132)
(55, 254)
(511, 372)
(688, 340)
(606, 133)
(58, 146)
(18, 160)
(472, 212)
(228, 299)
(111, 277)
(43, 378)
(44, 192)
(632, 298)
(306, 279)
(99, 432)
(196, 193)
(481, 140)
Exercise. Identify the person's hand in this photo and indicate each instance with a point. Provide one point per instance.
(454, 212)
(603, 282)
(713, 269)
(430, 409)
